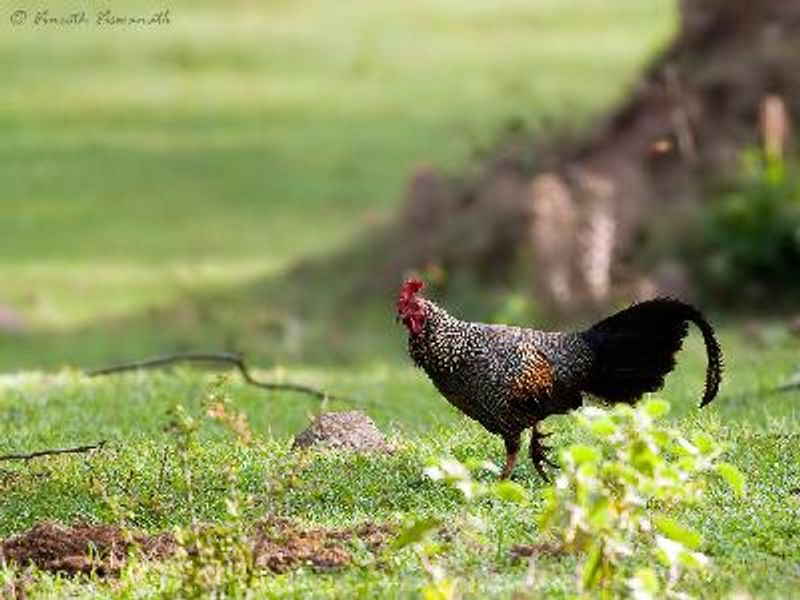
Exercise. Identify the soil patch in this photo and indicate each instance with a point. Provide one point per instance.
(348, 430)
(102, 549)
(520, 551)
(278, 544)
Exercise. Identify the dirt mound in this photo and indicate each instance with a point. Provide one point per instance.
(278, 544)
(101, 549)
(349, 430)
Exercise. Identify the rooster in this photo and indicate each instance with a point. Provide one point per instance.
(511, 378)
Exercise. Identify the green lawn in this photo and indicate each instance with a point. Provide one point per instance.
(140, 169)
(753, 541)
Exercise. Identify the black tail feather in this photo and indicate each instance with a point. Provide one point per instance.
(635, 349)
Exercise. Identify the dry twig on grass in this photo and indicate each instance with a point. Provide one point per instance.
(53, 452)
(229, 358)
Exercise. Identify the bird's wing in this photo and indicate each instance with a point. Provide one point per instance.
(532, 376)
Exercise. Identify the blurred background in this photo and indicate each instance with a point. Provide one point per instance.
(259, 176)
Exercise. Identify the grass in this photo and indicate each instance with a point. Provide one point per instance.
(144, 168)
(752, 540)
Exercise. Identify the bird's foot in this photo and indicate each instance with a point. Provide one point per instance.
(538, 453)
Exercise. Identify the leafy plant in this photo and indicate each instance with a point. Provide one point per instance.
(460, 476)
(417, 532)
(751, 237)
(614, 499)
(184, 428)
(216, 559)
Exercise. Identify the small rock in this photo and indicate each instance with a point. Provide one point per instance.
(349, 430)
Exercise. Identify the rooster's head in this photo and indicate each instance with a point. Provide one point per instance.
(411, 309)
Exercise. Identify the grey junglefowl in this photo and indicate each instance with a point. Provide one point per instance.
(511, 378)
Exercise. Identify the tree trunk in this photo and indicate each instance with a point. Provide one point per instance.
(583, 220)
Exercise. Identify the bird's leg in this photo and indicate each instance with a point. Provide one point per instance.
(537, 452)
(512, 449)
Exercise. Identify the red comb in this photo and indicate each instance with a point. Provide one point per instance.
(411, 287)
